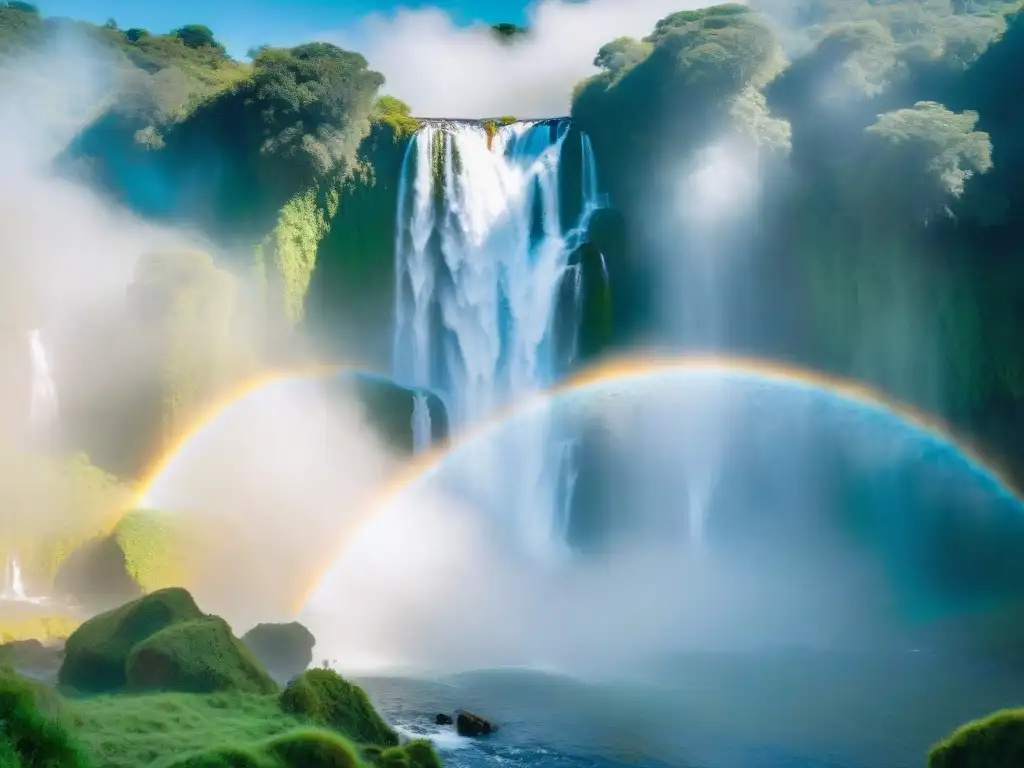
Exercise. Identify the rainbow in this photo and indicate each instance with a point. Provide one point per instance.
(624, 369)
(210, 414)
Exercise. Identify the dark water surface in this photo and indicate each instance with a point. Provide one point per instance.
(784, 710)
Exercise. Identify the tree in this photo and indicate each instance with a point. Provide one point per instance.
(621, 54)
(697, 75)
(316, 101)
(135, 34)
(506, 32)
(932, 150)
(197, 36)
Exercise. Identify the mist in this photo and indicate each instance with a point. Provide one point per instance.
(766, 564)
(265, 493)
(442, 69)
(67, 259)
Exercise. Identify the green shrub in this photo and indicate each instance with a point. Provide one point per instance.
(225, 757)
(415, 754)
(201, 656)
(996, 741)
(299, 749)
(327, 699)
(32, 735)
(96, 652)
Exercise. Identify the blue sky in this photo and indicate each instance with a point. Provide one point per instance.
(241, 24)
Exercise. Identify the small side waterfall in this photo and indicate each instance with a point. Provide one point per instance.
(43, 406)
(481, 253)
(422, 427)
(14, 588)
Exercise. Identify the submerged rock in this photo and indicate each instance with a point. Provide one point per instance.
(443, 719)
(473, 726)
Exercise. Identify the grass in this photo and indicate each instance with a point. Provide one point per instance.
(157, 729)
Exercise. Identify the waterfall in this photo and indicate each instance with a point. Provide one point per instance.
(14, 588)
(421, 425)
(481, 251)
(43, 406)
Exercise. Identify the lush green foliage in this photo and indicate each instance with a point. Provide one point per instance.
(199, 656)
(396, 114)
(697, 74)
(33, 735)
(996, 740)
(128, 730)
(151, 541)
(416, 754)
(96, 653)
(887, 233)
(325, 698)
(73, 502)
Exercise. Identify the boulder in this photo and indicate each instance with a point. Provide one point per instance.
(328, 700)
(286, 650)
(414, 754)
(200, 656)
(96, 653)
(473, 726)
(443, 719)
(33, 658)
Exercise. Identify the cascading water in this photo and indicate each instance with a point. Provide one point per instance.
(43, 405)
(14, 588)
(481, 253)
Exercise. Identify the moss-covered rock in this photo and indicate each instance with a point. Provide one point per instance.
(415, 754)
(327, 699)
(200, 656)
(286, 650)
(312, 747)
(96, 653)
(299, 748)
(996, 741)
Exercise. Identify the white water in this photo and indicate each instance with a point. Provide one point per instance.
(487, 253)
(481, 254)
(14, 588)
(43, 406)
(422, 428)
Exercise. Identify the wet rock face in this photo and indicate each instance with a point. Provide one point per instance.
(443, 719)
(473, 726)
